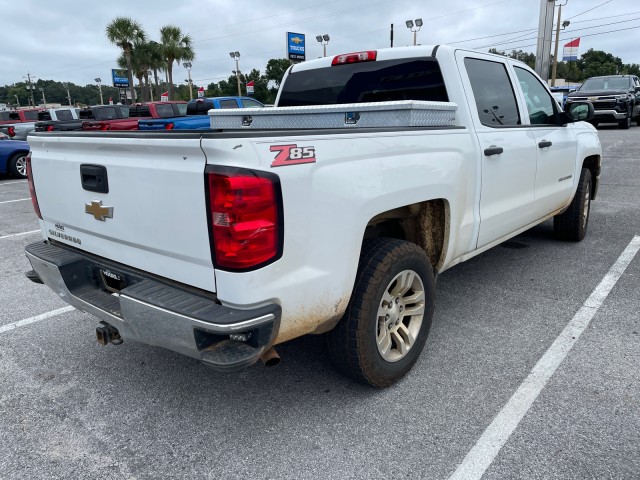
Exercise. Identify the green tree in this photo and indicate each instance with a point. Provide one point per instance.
(174, 47)
(276, 68)
(125, 33)
(594, 63)
(524, 57)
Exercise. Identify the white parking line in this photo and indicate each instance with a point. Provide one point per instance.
(503, 425)
(19, 234)
(37, 318)
(12, 182)
(18, 200)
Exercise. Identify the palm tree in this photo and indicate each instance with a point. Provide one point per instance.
(125, 33)
(175, 47)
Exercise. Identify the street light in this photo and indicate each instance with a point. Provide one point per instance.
(44, 100)
(323, 40)
(99, 82)
(236, 57)
(188, 66)
(17, 100)
(418, 25)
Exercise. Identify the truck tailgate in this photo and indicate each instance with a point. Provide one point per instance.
(153, 216)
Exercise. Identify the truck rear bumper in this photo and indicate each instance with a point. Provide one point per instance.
(153, 311)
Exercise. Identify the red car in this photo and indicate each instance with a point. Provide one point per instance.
(139, 111)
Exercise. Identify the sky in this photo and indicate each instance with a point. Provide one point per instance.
(64, 40)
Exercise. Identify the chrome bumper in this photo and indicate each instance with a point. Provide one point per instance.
(156, 312)
(610, 114)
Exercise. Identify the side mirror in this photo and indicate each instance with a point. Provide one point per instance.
(580, 111)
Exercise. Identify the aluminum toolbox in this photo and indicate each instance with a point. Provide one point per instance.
(404, 113)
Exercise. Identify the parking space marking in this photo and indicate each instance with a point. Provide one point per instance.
(19, 234)
(18, 200)
(484, 452)
(12, 182)
(37, 318)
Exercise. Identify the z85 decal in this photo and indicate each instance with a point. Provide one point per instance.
(292, 155)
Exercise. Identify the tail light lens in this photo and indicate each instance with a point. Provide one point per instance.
(11, 131)
(49, 128)
(245, 211)
(32, 188)
(355, 57)
(103, 126)
(169, 126)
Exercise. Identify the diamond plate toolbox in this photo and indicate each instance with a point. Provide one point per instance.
(405, 113)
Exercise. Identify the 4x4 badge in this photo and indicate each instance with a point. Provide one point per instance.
(98, 211)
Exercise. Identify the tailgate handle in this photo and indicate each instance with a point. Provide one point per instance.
(94, 178)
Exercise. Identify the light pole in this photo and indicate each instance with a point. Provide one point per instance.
(323, 40)
(555, 55)
(31, 87)
(17, 100)
(66, 85)
(44, 100)
(418, 25)
(188, 66)
(99, 82)
(236, 57)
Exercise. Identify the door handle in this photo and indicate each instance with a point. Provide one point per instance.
(544, 144)
(493, 150)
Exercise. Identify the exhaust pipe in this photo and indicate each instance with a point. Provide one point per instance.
(270, 358)
(106, 334)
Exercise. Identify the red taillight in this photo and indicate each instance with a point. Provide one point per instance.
(169, 126)
(11, 131)
(32, 188)
(355, 57)
(244, 214)
(103, 126)
(49, 128)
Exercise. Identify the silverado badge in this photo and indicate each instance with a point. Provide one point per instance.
(98, 211)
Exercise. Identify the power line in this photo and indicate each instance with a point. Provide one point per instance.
(597, 6)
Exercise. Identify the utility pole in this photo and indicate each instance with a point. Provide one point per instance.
(66, 85)
(99, 82)
(391, 35)
(188, 66)
(555, 55)
(545, 31)
(17, 100)
(44, 100)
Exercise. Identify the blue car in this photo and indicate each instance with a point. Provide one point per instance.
(13, 154)
(197, 118)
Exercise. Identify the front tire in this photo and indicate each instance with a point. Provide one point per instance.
(18, 165)
(625, 123)
(572, 224)
(389, 316)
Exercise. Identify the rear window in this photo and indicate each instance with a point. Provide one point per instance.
(64, 115)
(165, 110)
(246, 103)
(44, 116)
(182, 108)
(377, 81)
(31, 115)
(5, 116)
(140, 111)
(199, 107)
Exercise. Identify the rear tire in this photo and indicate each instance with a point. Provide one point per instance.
(18, 165)
(572, 224)
(389, 316)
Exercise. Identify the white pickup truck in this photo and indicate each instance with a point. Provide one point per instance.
(19, 131)
(221, 244)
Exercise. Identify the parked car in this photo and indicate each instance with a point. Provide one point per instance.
(13, 155)
(17, 116)
(615, 98)
(98, 112)
(560, 93)
(137, 112)
(19, 131)
(197, 118)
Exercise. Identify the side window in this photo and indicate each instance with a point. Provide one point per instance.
(539, 102)
(250, 104)
(64, 115)
(492, 88)
(164, 110)
(228, 104)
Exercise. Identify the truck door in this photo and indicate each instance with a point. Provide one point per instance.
(507, 147)
(556, 146)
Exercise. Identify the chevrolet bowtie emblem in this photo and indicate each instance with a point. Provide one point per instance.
(98, 211)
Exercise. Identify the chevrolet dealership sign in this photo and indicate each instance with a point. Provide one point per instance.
(295, 47)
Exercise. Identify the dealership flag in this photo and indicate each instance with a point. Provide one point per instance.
(164, 96)
(250, 87)
(201, 92)
(570, 52)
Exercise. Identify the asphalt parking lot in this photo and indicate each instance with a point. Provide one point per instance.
(531, 371)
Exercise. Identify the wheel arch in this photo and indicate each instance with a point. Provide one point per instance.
(426, 224)
(592, 163)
